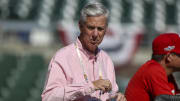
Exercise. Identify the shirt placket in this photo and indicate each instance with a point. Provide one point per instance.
(96, 76)
(93, 63)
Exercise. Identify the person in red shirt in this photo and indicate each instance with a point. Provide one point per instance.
(154, 78)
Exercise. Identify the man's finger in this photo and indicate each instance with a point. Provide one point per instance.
(120, 97)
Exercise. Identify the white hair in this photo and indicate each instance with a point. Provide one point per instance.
(93, 9)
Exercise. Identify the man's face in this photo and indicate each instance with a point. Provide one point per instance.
(92, 32)
(176, 62)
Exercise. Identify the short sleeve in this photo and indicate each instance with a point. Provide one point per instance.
(157, 81)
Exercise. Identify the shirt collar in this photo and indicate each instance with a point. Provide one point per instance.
(85, 51)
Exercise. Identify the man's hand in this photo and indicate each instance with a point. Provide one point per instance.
(117, 96)
(121, 97)
(102, 84)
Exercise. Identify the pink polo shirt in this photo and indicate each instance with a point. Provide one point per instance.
(65, 80)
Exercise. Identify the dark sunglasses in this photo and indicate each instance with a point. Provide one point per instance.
(176, 54)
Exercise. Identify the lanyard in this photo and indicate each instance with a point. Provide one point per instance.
(83, 67)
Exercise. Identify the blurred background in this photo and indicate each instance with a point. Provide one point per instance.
(31, 31)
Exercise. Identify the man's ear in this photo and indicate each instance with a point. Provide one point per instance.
(80, 24)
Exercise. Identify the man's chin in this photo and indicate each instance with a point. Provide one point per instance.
(92, 49)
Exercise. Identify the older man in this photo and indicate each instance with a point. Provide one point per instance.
(81, 71)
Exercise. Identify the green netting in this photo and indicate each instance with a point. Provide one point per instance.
(58, 10)
(148, 13)
(26, 81)
(127, 10)
(8, 62)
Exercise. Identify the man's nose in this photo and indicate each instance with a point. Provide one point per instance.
(95, 33)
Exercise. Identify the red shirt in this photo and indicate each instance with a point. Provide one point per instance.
(150, 81)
